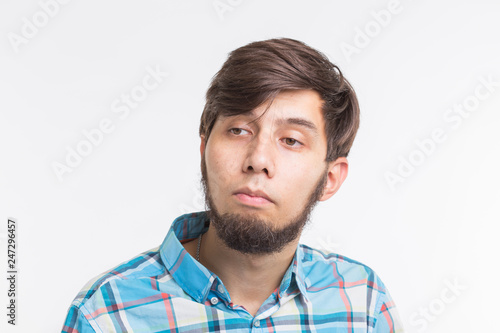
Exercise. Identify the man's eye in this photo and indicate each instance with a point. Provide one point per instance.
(291, 142)
(288, 141)
(236, 131)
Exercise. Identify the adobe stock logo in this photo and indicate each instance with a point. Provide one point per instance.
(221, 7)
(454, 116)
(30, 28)
(421, 318)
(373, 28)
(327, 245)
(122, 106)
(197, 202)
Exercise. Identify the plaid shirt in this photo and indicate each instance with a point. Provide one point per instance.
(166, 290)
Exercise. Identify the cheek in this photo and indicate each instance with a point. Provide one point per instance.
(222, 166)
(299, 180)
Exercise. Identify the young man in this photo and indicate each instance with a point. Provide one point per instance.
(277, 127)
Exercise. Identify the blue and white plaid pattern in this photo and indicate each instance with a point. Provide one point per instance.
(166, 290)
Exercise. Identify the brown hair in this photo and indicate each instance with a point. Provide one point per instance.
(255, 73)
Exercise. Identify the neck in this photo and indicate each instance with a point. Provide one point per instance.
(249, 278)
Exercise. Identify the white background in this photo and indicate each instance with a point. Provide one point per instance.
(436, 227)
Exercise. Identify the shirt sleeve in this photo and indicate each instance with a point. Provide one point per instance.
(388, 320)
(76, 322)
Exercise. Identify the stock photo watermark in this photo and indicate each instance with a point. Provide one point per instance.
(327, 244)
(454, 117)
(30, 27)
(12, 270)
(197, 202)
(364, 36)
(421, 318)
(122, 106)
(222, 7)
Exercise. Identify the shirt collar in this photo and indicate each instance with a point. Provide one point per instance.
(294, 281)
(195, 279)
(189, 274)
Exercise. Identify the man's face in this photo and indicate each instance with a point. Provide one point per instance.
(283, 159)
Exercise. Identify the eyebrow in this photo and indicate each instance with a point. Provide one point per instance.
(300, 122)
(309, 125)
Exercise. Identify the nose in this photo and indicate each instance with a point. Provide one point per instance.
(261, 156)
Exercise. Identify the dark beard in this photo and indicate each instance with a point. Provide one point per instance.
(251, 235)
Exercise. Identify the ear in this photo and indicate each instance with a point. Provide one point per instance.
(202, 145)
(337, 173)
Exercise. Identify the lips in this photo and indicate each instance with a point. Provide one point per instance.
(256, 194)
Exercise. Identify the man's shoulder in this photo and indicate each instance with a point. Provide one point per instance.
(127, 274)
(324, 266)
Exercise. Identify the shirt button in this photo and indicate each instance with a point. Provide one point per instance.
(220, 288)
(256, 323)
(214, 300)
